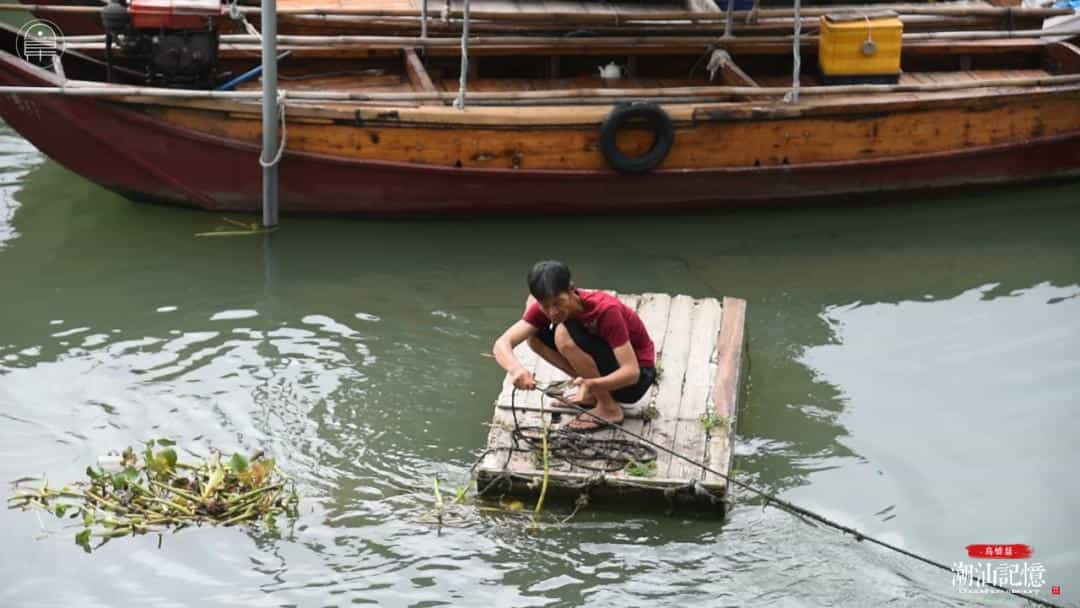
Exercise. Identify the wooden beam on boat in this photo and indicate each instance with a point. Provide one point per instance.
(733, 75)
(418, 76)
(629, 17)
(341, 24)
(509, 22)
(737, 46)
(544, 43)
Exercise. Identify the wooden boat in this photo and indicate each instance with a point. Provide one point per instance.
(535, 134)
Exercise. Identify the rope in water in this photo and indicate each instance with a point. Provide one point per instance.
(561, 434)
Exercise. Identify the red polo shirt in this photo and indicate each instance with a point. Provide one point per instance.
(607, 317)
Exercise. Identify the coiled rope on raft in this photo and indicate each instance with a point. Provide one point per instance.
(574, 448)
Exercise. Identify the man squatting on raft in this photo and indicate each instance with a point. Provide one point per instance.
(592, 336)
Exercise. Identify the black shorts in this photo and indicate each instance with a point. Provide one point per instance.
(605, 359)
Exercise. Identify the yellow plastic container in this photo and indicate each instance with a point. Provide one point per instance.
(857, 48)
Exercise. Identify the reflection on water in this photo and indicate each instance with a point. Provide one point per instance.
(17, 157)
(910, 364)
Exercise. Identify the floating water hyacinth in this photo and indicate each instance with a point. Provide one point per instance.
(153, 492)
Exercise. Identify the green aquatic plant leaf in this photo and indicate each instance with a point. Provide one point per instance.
(122, 479)
(641, 469)
(238, 463)
(711, 420)
(167, 457)
(83, 539)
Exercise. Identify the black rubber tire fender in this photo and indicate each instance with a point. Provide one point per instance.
(657, 120)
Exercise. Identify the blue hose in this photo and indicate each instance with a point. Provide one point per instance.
(251, 74)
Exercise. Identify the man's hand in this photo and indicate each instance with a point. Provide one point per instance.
(584, 388)
(523, 379)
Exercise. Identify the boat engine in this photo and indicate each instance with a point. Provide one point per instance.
(174, 41)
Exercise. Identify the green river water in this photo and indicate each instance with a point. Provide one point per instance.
(915, 371)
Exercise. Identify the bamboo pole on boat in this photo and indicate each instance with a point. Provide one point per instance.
(78, 88)
(562, 41)
(614, 19)
(624, 18)
(270, 115)
(507, 25)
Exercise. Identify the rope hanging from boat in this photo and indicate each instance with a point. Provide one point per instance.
(718, 60)
(793, 96)
(284, 134)
(236, 15)
(573, 448)
(729, 18)
(751, 17)
(459, 103)
(791, 507)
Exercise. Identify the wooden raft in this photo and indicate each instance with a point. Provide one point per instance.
(701, 364)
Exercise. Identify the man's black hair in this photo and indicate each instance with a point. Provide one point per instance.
(548, 278)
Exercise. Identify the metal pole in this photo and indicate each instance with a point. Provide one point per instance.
(270, 113)
(423, 19)
(797, 70)
(460, 102)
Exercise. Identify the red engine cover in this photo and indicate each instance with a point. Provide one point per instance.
(173, 14)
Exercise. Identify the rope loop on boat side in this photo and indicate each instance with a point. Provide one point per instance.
(796, 51)
(234, 11)
(284, 134)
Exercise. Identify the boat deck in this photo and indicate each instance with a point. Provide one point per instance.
(700, 364)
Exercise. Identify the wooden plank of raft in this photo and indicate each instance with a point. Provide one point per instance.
(689, 432)
(726, 387)
(673, 370)
(653, 309)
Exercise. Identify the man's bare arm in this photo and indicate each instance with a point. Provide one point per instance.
(626, 375)
(504, 353)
